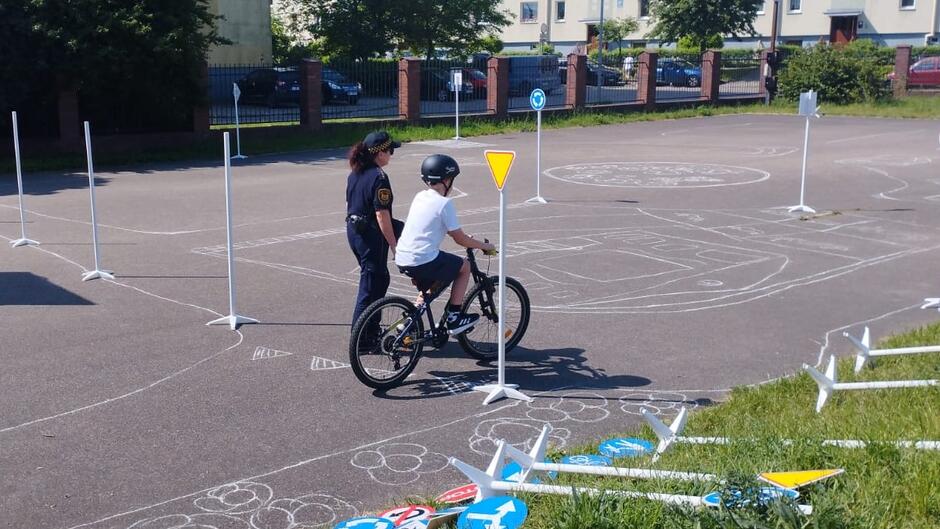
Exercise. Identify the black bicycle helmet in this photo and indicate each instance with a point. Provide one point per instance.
(437, 167)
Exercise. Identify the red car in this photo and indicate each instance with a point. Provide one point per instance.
(923, 72)
(477, 79)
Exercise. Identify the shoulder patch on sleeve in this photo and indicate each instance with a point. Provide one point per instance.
(384, 196)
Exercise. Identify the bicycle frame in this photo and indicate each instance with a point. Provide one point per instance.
(424, 307)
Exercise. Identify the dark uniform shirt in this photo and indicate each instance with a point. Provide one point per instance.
(368, 192)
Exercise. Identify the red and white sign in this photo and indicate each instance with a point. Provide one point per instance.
(409, 516)
(460, 494)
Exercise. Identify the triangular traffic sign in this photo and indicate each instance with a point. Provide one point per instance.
(500, 163)
(798, 478)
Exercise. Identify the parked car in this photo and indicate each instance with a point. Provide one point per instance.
(607, 75)
(477, 79)
(270, 86)
(527, 72)
(437, 85)
(336, 87)
(924, 72)
(675, 71)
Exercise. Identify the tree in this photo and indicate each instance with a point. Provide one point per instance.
(366, 28)
(615, 30)
(701, 19)
(691, 42)
(354, 28)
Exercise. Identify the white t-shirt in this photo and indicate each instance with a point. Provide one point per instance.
(430, 218)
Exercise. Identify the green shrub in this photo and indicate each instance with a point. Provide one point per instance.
(839, 74)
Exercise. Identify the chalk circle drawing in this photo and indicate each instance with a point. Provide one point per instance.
(574, 406)
(235, 498)
(520, 433)
(399, 463)
(247, 505)
(192, 521)
(310, 511)
(655, 402)
(657, 174)
(710, 283)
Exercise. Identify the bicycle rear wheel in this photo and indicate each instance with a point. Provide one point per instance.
(482, 341)
(386, 342)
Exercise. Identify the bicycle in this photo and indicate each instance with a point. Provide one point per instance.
(389, 336)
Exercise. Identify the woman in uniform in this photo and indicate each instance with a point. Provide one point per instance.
(370, 228)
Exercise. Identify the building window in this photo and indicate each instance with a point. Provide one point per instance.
(644, 8)
(907, 4)
(761, 10)
(796, 6)
(559, 11)
(620, 4)
(529, 12)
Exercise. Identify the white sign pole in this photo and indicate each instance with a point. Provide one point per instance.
(537, 102)
(865, 352)
(236, 92)
(827, 383)
(672, 434)
(457, 82)
(233, 320)
(97, 273)
(809, 109)
(23, 240)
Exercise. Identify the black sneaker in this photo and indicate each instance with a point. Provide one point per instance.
(458, 322)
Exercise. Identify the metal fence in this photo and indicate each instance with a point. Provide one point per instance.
(528, 72)
(740, 76)
(269, 94)
(679, 78)
(437, 88)
(351, 89)
(610, 83)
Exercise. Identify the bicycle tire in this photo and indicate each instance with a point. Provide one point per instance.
(378, 377)
(481, 342)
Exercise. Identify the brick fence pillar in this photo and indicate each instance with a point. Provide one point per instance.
(646, 83)
(576, 87)
(311, 94)
(409, 89)
(902, 65)
(711, 75)
(201, 110)
(497, 86)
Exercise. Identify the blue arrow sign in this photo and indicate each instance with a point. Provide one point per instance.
(625, 447)
(366, 522)
(765, 495)
(537, 99)
(499, 512)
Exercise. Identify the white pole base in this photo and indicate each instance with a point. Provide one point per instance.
(802, 208)
(497, 392)
(536, 200)
(456, 138)
(23, 242)
(931, 303)
(233, 321)
(239, 157)
(98, 274)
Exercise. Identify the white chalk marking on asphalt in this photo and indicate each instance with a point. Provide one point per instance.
(878, 135)
(262, 353)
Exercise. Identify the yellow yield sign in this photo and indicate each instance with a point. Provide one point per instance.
(500, 163)
(799, 478)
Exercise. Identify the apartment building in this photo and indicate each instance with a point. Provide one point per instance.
(568, 24)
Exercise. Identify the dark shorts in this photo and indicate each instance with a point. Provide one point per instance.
(444, 269)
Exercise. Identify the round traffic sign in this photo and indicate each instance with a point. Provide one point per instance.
(589, 460)
(630, 447)
(537, 99)
(764, 495)
(409, 516)
(503, 512)
(458, 495)
(366, 522)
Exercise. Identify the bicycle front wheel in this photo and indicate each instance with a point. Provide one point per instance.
(386, 342)
(482, 341)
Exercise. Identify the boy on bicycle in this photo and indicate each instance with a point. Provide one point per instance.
(418, 254)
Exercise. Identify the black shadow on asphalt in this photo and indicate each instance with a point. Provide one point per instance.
(533, 370)
(25, 288)
(49, 184)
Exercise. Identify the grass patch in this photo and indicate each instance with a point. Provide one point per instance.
(882, 487)
(260, 139)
